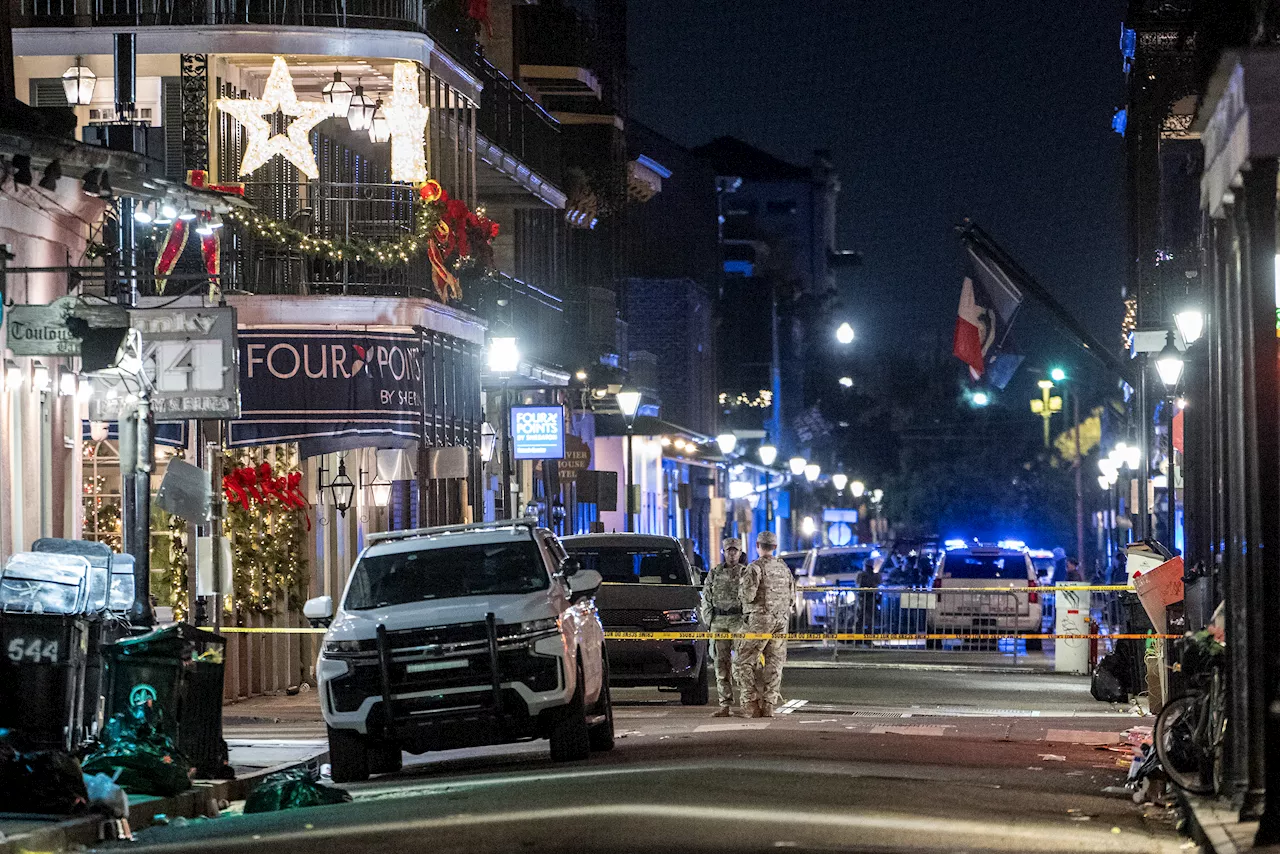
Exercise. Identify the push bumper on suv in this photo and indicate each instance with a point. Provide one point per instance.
(449, 686)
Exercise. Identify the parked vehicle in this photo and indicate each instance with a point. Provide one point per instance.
(648, 586)
(793, 560)
(1006, 572)
(457, 637)
(834, 567)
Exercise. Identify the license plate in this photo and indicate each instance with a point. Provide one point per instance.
(428, 666)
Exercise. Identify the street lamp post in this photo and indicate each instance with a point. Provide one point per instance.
(1058, 375)
(504, 359)
(1169, 365)
(1046, 405)
(629, 404)
(768, 455)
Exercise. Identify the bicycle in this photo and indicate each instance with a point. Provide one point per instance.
(1190, 730)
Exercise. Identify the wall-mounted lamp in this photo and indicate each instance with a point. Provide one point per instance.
(342, 488)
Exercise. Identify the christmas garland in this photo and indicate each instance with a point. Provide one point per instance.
(268, 542)
(452, 235)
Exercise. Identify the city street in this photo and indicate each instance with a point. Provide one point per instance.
(867, 755)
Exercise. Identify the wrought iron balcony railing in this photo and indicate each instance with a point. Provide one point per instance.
(514, 121)
(535, 316)
(372, 14)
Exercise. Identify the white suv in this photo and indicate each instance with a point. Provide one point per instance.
(457, 637)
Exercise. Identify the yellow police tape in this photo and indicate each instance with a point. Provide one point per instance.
(791, 636)
(833, 588)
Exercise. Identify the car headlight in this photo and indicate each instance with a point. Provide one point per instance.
(348, 647)
(532, 627)
(682, 616)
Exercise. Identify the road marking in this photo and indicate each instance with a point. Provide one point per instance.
(1072, 736)
(730, 727)
(790, 706)
(913, 729)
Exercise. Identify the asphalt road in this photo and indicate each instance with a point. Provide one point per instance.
(911, 755)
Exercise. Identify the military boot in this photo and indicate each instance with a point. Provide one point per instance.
(748, 710)
(763, 710)
(722, 712)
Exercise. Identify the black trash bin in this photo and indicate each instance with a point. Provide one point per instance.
(42, 676)
(45, 632)
(1136, 622)
(105, 626)
(180, 668)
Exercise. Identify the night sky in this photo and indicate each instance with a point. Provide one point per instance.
(995, 109)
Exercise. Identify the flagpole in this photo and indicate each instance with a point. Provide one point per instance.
(981, 242)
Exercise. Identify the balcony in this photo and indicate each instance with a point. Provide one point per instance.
(559, 52)
(523, 131)
(535, 316)
(252, 265)
(408, 15)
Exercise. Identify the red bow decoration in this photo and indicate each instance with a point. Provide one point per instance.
(199, 179)
(249, 485)
(459, 232)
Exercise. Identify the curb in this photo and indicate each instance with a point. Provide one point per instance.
(63, 834)
(1210, 822)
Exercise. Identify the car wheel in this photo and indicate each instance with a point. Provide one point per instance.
(570, 738)
(348, 756)
(385, 758)
(933, 644)
(1035, 644)
(699, 693)
(600, 733)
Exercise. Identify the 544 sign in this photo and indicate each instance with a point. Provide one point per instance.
(34, 650)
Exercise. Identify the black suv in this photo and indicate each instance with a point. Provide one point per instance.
(648, 586)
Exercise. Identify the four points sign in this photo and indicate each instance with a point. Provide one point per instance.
(537, 432)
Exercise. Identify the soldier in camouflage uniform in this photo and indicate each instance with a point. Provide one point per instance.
(722, 611)
(768, 595)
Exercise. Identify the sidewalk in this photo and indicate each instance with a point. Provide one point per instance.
(1215, 824)
(20, 834)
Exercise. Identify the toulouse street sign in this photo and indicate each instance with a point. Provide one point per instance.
(42, 330)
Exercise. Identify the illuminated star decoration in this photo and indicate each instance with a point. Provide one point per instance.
(407, 119)
(293, 145)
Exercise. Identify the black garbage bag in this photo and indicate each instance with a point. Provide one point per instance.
(148, 761)
(1107, 683)
(292, 789)
(40, 781)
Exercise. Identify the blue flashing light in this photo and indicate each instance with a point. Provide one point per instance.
(955, 544)
(1120, 121)
(740, 268)
(1017, 545)
(1128, 46)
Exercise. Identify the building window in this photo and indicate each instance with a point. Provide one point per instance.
(785, 207)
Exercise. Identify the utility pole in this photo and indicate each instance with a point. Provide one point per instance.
(1079, 464)
(137, 451)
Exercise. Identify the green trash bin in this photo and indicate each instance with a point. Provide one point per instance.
(179, 668)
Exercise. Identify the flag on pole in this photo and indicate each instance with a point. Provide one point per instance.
(988, 302)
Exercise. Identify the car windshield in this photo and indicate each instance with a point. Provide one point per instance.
(629, 565)
(837, 563)
(481, 569)
(795, 562)
(986, 566)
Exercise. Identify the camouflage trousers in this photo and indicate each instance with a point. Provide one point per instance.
(721, 658)
(751, 680)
